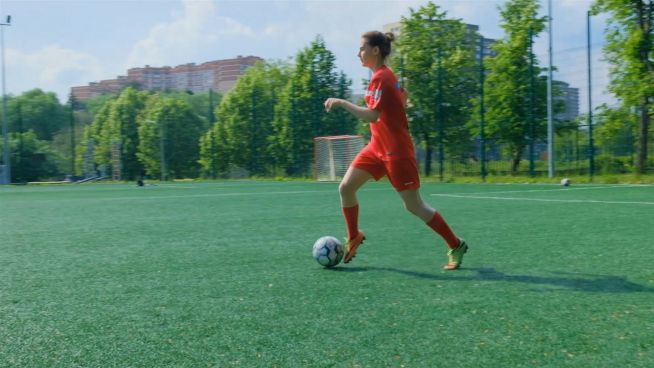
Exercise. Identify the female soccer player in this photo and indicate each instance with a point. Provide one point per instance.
(390, 151)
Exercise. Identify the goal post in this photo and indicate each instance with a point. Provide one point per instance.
(333, 155)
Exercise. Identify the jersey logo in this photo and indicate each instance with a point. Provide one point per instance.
(376, 94)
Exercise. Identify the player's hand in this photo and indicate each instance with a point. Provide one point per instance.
(330, 103)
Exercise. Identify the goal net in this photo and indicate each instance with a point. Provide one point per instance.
(333, 155)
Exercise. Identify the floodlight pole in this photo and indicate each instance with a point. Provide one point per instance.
(532, 129)
(550, 102)
(441, 123)
(5, 123)
(591, 148)
(161, 151)
(482, 110)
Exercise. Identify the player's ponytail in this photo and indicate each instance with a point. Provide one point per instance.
(381, 40)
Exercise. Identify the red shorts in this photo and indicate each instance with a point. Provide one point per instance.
(402, 172)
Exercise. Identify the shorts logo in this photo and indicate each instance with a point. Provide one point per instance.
(409, 183)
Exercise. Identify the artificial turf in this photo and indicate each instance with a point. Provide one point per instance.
(221, 275)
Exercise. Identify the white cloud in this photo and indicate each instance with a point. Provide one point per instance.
(52, 68)
(192, 30)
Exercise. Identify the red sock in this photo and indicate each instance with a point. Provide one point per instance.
(352, 220)
(438, 224)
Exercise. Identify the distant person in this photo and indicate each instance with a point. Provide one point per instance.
(389, 153)
(140, 182)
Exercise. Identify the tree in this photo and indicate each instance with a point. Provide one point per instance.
(203, 104)
(214, 152)
(630, 51)
(120, 129)
(240, 137)
(507, 84)
(32, 159)
(38, 111)
(616, 130)
(300, 116)
(170, 124)
(92, 137)
(93, 105)
(437, 62)
(114, 125)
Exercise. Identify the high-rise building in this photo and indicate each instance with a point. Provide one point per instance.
(570, 96)
(396, 29)
(218, 75)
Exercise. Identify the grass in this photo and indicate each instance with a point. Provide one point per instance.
(220, 275)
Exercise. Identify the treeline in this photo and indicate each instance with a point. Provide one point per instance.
(264, 127)
(266, 124)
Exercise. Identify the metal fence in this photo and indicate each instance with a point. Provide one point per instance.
(571, 158)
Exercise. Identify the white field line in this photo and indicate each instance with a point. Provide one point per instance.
(239, 194)
(543, 199)
(536, 190)
(208, 195)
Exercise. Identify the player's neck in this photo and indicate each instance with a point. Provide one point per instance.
(376, 67)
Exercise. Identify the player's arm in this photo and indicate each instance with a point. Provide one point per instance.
(360, 112)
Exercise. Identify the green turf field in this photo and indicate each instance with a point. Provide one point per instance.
(221, 275)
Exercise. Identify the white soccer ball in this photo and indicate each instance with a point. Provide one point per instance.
(566, 182)
(328, 251)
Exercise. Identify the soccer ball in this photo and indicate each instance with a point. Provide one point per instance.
(328, 251)
(566, 182)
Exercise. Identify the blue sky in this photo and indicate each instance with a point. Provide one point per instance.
(57, 44)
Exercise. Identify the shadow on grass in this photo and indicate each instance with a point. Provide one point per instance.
(587, 283)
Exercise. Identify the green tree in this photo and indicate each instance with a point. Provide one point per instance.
(436, 60)
(93, 105)
(214, 152)
(629, 49)
(38, 111)
(170, 124)
(240, 137)
(114, 125)
(507, 83)
(203, 104)
(32, 159)
(616, 130)
(300, 114)
(90, 147)
(121, 129)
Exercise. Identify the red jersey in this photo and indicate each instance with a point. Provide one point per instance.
(390, 133)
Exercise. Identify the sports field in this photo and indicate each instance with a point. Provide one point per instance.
(221, 275)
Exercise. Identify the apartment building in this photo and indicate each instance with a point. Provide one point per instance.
(218, 75)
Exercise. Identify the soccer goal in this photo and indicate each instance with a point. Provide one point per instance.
(334, 154)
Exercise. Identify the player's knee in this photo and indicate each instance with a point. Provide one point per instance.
(345, 189)
(414, 208)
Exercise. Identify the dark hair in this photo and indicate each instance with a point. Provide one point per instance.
(381, 40)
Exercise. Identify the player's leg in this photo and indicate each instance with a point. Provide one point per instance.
(354, 179)
(365, 166)
(404, 176)
(414, 204)
(457, 247)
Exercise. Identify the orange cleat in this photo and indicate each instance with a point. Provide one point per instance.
(455, 256)
(352, 245)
